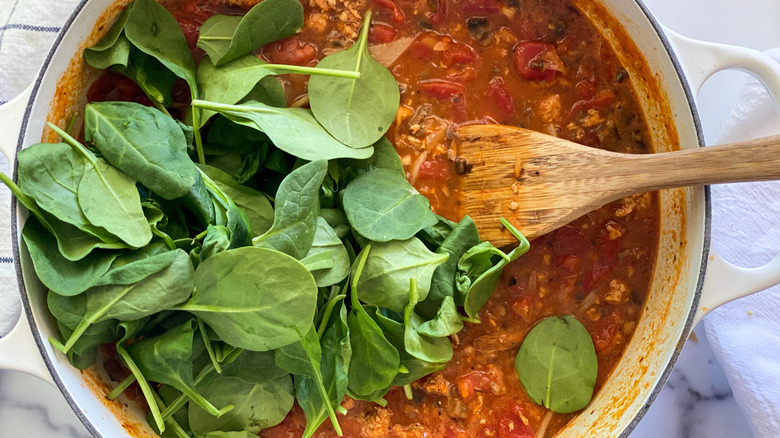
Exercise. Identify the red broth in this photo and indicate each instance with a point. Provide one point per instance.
(539, 64)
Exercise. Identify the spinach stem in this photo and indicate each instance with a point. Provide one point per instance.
(177, 429)
(205, 404)
(124, 384)
(408, 392)
(56, 344)
(342, 410)
(294, 69)
(77, 332)
(164, 236)
(161, 107)
(326, 314)
(73, 142)
(381, 402)
(71, 123)
(147, 391)
(209, 349)
(196, 126)
(216, 106)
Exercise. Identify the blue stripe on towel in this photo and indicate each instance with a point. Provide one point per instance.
(6, 260)
(30, 27)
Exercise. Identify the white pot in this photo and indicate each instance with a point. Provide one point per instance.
(689, 279)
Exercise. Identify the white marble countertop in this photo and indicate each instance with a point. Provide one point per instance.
(697, 400)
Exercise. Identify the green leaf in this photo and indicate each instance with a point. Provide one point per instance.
(557, 364)
(152, 76)
(463, 237)
(167, 358)
(261, 392)
(225, 37)
(433, 237)
(256, 205)
(296, 211)
(109, 199)
(142, 142)
(59, 274)
(375, 361)
(293, 130)
(383, 206)
(425, 348)
(113, 49)
(446, 323)
(328, 243)
(216, 241)
(357, 112)
(389, 266)
(153, 30)
(254, 298)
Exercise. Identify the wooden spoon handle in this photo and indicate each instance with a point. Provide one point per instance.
(754, 160)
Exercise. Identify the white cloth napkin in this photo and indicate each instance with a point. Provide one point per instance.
(745, 334)
(746, 221)
(27, 29)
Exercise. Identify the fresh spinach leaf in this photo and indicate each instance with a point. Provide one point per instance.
(433, 237)
(426, 348)
(59, 274)
(357, 112)
(198, 201)
(463, 237)
(446, 323)
(153, 77)
(233, 434)
(216, 241)
(158, 291)
(256, 205)
(225, 37)
(385, 279)
(296, 211)
(254, 298)
(303, 359)
(293, 130)
(557, 364)
(133, 271)
(142, 142)
(375, 361)
(327, 242)
(382, 206)
(113, 49)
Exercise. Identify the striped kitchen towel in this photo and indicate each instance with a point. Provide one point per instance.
(27, 30)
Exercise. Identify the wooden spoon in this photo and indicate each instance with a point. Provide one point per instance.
(540, 183)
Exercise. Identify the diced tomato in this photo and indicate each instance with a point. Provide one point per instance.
(498, 92)
(587, 88)
(393, 8)
(382, 33)
(290, 51)
(420, 50)
(570, 240)
(597, 272)
(458, 109)
(600, 100)
(112, 86)
(570, 263)
(481, 7)
(463, 75)
(474, 381)
(191, 29)
(440, 88)
(537, 61)
(434, 170)
(459, 53)
(438, 16)
(602, 340)
(607, 245)
(514, 427)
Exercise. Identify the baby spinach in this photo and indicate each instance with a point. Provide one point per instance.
(303, 359)
(142, 142)
(296, 211)
(446, 323)
(59, 274)
(153, 77)
(375, 361)
(426, 348)
(167, 358)
(216, 241)
(136, 266)
(480, 268)
(158, 291)
(463, 237)
(382, 206)
(385, 280)
(359, 111)
(293, 130)
(232, 82)
(557, 364)
(254, 298)
(433, 237)
(327, 242)
(226, 37)
(113, 49)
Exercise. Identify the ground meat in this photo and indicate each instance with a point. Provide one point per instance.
(375, 423)
(617, 293)
(550, 108)
(434, 384)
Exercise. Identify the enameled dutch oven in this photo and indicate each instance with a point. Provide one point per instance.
(689, 278)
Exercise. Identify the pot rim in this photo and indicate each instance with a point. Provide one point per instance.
(687, 329)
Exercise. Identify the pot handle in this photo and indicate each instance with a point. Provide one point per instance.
(18, 350)
(11, 115)
(724, 281)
